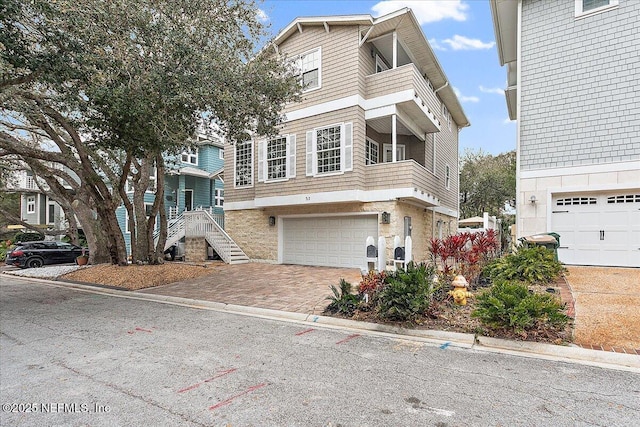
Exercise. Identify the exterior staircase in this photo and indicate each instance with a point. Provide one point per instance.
(201, 223)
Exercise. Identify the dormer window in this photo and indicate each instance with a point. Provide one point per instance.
(308, 69)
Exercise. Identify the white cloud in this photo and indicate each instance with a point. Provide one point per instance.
(464, 43)
(435, 45)
(425, 11)
(463, 98)
(262, 16)
(495, 90)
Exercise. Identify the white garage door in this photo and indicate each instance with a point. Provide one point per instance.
(337, 241)
(598, 229)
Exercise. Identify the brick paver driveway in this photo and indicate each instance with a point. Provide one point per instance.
(294, 288)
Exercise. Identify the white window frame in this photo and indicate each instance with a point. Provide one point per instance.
(153, 182)
(387, 153)
(51, 219)
(447, 177)
(190, 156)
(581, 13)
(446, 115)
(369, 144)
(31, 204)
(147, 205)
(221, 153)
(289, 157)
(218, 197)
(345, 148)
(433, 154)
(249, 154)
(300, 70)
(276, 162)
(380, 64)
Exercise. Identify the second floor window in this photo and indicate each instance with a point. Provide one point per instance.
(277, 158)
(244, 164)
(330, 149)
(190, 156)
(31, 204)
(308, 69)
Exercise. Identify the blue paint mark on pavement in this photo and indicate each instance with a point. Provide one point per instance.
(445, 345)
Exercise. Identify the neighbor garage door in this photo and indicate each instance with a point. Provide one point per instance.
(598, 229)
(337, 241)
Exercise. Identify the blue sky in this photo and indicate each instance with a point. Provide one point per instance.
(461, 34)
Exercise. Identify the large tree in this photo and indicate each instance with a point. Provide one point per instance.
(105, 88)
(487, 183)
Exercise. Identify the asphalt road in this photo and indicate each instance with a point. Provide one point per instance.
(75, 358)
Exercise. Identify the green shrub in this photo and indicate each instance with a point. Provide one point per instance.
(529, 265)
(27, 237)
(511, 306)
(342, 301)
(406, 294)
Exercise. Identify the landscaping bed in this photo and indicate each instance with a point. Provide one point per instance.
(134, 277)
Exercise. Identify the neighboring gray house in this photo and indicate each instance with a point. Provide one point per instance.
(37, 208)
(573, 75)
(371, 149)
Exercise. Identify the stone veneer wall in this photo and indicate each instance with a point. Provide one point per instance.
(195, 249)
(250, 228)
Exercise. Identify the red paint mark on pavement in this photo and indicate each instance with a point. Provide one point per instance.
(143, 330)
(350, 337)
(218, 375)
(232, 398)
(305, 332)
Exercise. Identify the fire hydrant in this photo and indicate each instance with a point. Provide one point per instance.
(459, 292)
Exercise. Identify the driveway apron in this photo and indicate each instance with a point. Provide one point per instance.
(293, 288)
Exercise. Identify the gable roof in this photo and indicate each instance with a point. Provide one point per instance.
(409, 32)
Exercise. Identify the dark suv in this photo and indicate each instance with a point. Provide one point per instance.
(39, 253)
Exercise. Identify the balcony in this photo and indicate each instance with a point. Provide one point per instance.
(409, 179)
(402, 91)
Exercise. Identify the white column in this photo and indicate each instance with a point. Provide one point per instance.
(395, 49)
(394, 138)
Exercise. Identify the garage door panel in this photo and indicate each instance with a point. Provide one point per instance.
(327, 241)
(600, 233)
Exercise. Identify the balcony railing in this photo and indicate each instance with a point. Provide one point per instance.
(402, 174)
(406, 77)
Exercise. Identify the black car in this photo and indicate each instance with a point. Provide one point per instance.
(39, 253)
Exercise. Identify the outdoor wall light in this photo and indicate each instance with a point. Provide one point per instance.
(533, 199)
(386, 218)
(272, 221)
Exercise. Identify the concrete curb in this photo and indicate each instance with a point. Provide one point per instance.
(609, 360)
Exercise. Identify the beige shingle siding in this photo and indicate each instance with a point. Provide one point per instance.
(339, 61)
(302, 184)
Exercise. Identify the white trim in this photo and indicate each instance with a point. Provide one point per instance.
(342, 196)
(581, 170)
(30, 203)
(380, 106)
(325, 107)
(299, 58)
(221, 154)
(447, 176)
(581, 13)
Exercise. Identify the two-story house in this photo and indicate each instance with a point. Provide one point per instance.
(371, 149)
(573, 72)
(36, 208)
(193, 181)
